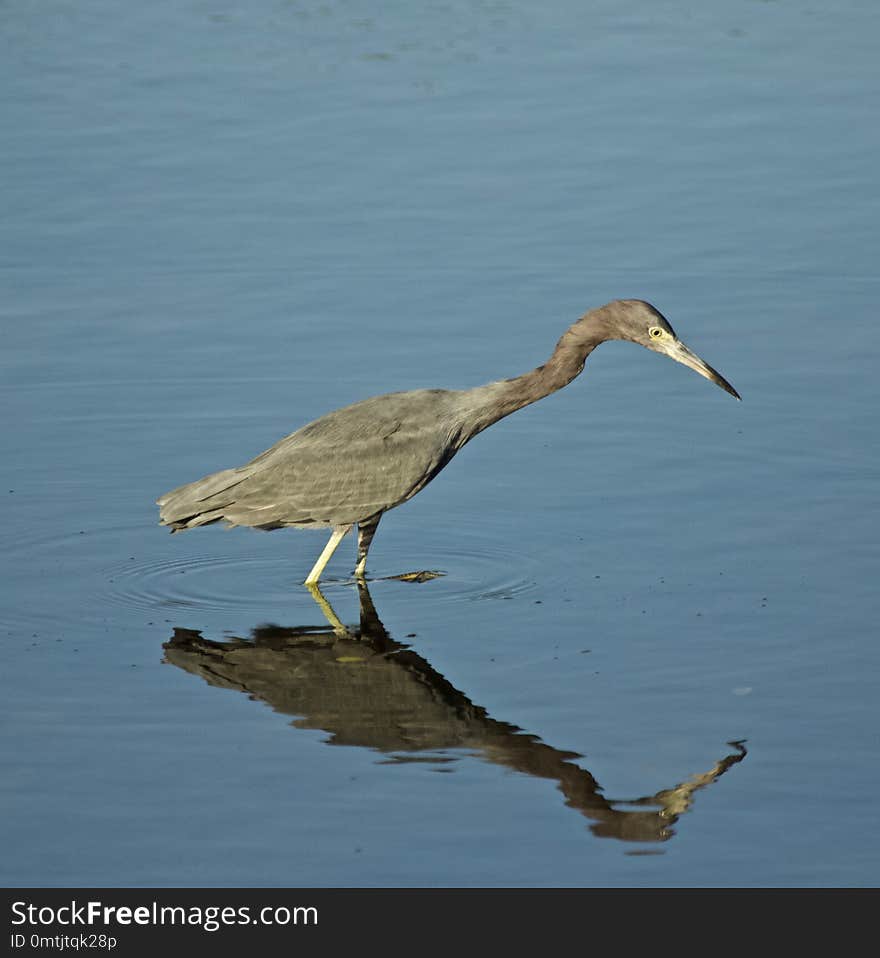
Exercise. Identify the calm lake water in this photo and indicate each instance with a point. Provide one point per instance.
(653, 659)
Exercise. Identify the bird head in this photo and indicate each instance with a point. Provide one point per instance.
(639, 322)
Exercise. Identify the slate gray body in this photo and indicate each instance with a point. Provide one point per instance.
(340, 469)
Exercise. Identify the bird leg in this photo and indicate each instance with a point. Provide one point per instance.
(338, 534)
(366, 531)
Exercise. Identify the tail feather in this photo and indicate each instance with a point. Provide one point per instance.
(202, 502)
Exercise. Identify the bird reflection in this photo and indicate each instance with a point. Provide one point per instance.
(367, 689)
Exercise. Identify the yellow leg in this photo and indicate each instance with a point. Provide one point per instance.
(366, 531)
(339, 533)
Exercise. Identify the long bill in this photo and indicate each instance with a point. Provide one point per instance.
(681, 354)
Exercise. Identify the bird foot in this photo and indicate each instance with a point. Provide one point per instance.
(424, 576)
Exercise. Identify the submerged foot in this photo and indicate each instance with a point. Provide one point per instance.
(424, 576)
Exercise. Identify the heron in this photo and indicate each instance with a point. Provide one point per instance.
(352, 465)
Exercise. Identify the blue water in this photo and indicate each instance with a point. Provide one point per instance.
(220, 221)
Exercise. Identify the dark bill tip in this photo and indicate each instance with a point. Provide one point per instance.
(724, 384)
(680, 353)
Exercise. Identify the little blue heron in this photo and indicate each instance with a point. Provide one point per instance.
(354, 464)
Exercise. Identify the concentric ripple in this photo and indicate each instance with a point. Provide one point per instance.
(474, 566)
(476, 561)
(208, 583)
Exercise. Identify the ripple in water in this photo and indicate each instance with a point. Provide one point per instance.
(210, 583)
(475, 565)
(477, 568)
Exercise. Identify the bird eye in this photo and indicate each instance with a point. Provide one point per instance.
(655, 332)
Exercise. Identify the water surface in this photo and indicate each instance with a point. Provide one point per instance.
(651, 660)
